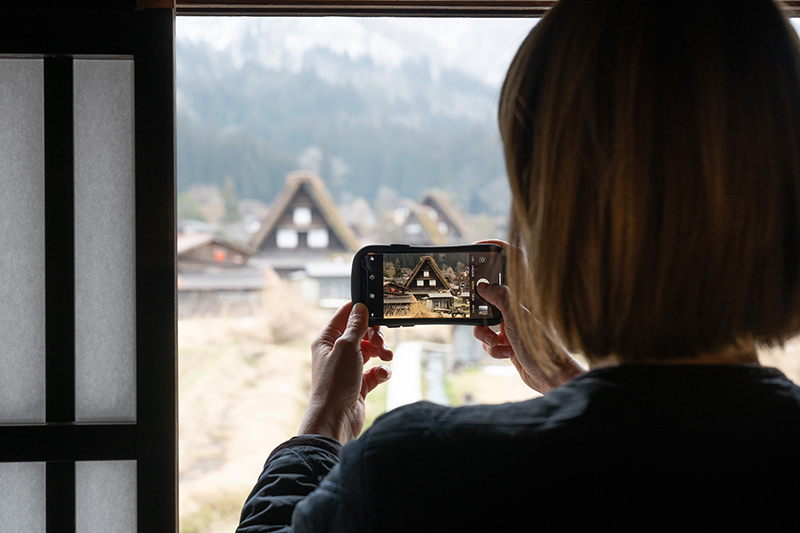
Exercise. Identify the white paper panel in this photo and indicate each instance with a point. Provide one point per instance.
(105, 497)
(105, 356)
(22, 497)
(22, 309)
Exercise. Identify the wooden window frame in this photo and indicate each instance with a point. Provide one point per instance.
(60, 30)
(384, 8)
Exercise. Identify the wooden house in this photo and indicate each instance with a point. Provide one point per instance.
(215, 277)
(396, 297)
(303, 225)
(450, 222)
(201, 251)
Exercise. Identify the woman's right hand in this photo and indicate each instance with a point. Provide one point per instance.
(507, 344)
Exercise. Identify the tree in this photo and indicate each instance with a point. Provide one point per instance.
(398, 271)
(231, 201)
(189, 208)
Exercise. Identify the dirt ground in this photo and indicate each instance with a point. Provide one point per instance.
(243, 388)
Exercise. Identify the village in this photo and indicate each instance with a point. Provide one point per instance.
(255, 288)
(305, 240)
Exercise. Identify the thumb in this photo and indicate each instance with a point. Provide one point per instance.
(357, 324)
(497, 295)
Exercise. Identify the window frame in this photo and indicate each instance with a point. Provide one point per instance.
(145, 29)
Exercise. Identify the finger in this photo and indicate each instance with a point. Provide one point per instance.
(498, 352)
(486, 335)
(374, 377)
(498, 242)
(384, 352)
(357, 325)
(375, 336)
(335, 326)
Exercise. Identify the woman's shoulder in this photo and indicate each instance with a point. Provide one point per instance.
(432, 425)
(595, 401)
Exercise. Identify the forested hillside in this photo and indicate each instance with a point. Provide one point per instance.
(363, 127)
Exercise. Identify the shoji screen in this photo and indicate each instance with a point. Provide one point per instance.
(88, 418)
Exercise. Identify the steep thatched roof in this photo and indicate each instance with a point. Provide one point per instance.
(440, 202)
(433, 266)
(316, 189)
(428, 223)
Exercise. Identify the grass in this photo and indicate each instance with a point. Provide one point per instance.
(474, 385)
(376, 404)
(214, 514)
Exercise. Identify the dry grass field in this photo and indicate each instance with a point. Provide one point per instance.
(243, 388)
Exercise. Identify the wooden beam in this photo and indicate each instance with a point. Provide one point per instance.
(155, 4)
(507, 8)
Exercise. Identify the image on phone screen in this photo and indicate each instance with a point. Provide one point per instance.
(431, 285)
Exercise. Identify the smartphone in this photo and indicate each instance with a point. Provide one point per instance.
(405, 285)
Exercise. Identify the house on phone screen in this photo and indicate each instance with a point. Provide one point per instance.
(396, 298)
(428, 283)
(450, 222)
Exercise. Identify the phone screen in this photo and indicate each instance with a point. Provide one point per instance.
(435, 285)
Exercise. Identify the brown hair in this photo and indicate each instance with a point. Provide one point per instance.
(653, 150)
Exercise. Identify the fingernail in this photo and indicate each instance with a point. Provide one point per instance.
(505, 353)
(358, 309)
(488, 339)
(481, 286)
(386, 374)
(386, 347)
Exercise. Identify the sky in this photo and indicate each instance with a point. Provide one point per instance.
(480, 47)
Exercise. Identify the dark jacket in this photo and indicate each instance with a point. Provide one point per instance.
(634, 447)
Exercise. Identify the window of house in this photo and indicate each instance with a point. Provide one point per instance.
(420, 283)
(432, 283)
(301, 215)
(286, 238)
(426, 273)
(318, 238)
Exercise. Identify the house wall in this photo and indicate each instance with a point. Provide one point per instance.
(286, 220)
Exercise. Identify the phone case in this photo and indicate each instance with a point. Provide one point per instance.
(371, 291)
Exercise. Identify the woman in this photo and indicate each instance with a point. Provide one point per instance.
(653, 151)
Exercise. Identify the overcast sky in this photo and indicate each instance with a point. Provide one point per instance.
(481, 47)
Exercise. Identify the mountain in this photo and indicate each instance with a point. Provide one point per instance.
(257, 102)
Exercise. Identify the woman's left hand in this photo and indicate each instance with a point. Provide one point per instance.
(339, 384)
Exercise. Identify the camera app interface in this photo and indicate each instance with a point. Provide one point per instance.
(441, 285)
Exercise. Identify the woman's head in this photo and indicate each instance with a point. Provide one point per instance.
(653, 150)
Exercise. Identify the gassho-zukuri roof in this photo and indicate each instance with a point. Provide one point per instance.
(319, 194)
(439, 201)
(434, 267)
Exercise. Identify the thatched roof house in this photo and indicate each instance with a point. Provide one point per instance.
(450, 222)
(427, 278)
(303, 224)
